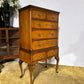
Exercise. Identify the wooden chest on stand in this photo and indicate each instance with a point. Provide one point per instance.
(38, 36)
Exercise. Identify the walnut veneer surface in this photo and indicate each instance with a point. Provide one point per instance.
(38, 36)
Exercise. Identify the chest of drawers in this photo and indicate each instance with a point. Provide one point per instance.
(38, 36)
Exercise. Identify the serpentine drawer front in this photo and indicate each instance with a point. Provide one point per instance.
(38, 36)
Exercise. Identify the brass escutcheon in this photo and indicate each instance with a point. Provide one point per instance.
(52, 43)
(40, 56)
(39, 25)
(53, 25)
(53, 17)
(39, 45)
(52, 34)
(39, 15)
(39, 35)
(53, 53)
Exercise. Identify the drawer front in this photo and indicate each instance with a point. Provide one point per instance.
(39, 56)
(44, 44)
(52, 17)
(44, 24)
(43, 34)
(38, 14)
(52, 52)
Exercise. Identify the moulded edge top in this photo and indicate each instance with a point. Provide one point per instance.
(32, 6)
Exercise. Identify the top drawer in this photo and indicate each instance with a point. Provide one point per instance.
(52, 17)
(38, 14)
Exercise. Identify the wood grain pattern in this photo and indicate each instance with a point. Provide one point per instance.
(44, 24)
(24, 29)
(52, 52)
(52, 16)
(39, 56)
(44, 44)
(44, 34)
(38, 14)
(24, 56)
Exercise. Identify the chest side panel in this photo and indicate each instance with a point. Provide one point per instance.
(25, 35)
(24, 22)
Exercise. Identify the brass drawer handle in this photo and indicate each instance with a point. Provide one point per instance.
(39, 25)
(39, 15)
(40, 56)
(39, 45)
(52, 43)
(53, 53)
(53, 25)
(53, 17)
(39, 35)
(52, 34)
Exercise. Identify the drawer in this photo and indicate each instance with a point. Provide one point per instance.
(39, 56)
(44, 44)
(52, 17)
(43, 34)
(44, 24)
(38, 14)
(52, 52)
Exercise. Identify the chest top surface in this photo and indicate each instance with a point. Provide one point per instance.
(38, 8)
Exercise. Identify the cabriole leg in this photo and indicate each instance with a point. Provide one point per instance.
(31, 67)
(57, 58)
(20, 64)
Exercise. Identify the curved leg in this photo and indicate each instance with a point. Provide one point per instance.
(57, 58)
(20, 64)
(46, 63)
(31, 67)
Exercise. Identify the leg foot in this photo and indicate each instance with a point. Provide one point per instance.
(57, 72)
(0, 71)
(31, 67)
(21, 76)
(45, 66)
(20, 64)
(46, 63)
(57, 64)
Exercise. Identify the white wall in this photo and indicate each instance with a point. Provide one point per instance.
(71, 32)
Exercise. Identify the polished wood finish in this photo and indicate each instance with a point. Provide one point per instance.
(52, 52)
(9, 43)
(51, 16)
(38, 14)
(44, 25)
(38, 36)
(38, 56)
(43, 34)
(44, 44)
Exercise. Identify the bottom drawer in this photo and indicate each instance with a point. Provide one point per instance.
(39, 56)
(52, 52)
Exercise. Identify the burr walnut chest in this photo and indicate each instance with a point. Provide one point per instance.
(38, 36)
